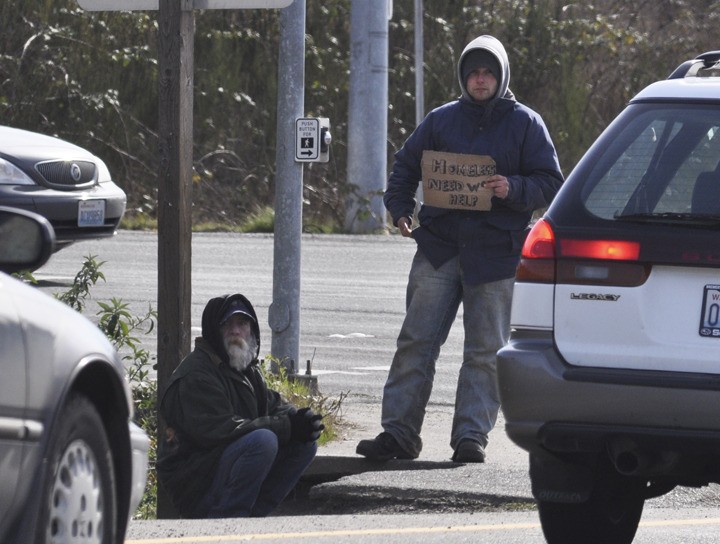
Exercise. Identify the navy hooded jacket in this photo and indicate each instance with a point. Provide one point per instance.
(488, 243)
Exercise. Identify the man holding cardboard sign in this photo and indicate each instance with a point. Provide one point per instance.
(486, 162)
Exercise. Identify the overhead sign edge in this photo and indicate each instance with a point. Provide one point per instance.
(150, 5)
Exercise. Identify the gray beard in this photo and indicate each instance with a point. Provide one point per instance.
(241, 355)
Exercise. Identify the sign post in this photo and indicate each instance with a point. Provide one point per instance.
(284, 312)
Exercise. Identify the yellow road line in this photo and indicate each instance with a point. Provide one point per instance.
(348, 532)
(390, 531)
(680, 522)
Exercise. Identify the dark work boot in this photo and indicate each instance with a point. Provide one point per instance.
(382, 448)
(469, 451)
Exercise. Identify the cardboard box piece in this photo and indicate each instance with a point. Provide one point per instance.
(454, 180)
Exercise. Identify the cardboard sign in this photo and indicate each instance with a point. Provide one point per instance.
(452, 180)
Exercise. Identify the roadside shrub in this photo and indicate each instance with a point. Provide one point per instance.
(120, 326)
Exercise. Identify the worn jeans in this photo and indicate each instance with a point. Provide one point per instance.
(433, 299)
(254, 475)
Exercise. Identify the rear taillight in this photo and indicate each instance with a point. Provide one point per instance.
(537, 262)
(546, 259)
(540, 243)
(617, 250)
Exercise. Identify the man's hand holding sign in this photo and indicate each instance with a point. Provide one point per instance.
(458, 181)
(461, 182)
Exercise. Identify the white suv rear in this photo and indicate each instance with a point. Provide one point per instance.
(611, 379)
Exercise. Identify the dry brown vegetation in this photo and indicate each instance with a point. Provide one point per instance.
(92, 79)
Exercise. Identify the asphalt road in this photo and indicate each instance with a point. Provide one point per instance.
(352, 295)
(352, 306)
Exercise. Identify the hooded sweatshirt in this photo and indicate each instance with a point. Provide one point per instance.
(488, 243)
(207, 405)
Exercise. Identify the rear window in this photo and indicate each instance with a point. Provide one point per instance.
(662, 160)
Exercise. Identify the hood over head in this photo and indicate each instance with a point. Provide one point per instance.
(485, 51)
(216, 311)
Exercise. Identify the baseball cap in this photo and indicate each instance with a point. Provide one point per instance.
(236, 307)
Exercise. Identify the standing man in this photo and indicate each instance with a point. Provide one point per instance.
(462, 256)
(233, 447)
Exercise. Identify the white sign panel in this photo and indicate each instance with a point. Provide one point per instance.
(307, 139)
(140, 5)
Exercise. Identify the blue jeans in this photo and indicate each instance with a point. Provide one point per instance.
(433, 299)
(254, 475)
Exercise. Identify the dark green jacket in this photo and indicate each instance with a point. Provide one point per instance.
(206, 406)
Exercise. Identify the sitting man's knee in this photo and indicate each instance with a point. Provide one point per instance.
(262, 440)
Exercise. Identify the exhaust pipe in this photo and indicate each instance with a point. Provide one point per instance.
(630, 462)
(627, 458)
(630, 459)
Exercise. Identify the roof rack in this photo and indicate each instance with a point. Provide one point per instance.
(705, 65)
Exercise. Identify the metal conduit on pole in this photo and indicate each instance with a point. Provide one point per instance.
(419, 64)
(284, 312)
(419, 78)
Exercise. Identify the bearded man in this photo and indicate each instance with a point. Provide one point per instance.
(233, 447)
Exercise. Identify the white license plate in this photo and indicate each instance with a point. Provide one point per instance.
(91, 213)
(710, 316)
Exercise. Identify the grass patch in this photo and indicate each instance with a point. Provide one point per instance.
(138, 221)
(262, 221)
(298, 393)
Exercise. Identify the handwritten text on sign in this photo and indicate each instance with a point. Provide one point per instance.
(452, 180)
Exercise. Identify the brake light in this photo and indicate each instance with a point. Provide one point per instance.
(537, 263)
(573, 261)
(616, 250)
(540, 243)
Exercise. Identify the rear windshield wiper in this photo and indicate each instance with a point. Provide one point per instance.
(688, 219)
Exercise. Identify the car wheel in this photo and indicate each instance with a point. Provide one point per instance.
(610, 515)
(78, 503)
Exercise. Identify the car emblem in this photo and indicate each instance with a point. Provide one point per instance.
(594, 296)
(75, 172)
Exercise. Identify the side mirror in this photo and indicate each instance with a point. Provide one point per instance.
(27, 240)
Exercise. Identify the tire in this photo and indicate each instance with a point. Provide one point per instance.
(610, 516)
(78, 504)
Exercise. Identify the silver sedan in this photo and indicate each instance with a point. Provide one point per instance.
(72, 463)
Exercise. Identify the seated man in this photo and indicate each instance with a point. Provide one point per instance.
(233, 447)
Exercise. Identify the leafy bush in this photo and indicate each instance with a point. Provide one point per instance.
(120, 327)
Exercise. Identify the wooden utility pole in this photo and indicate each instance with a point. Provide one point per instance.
(176, 30)
(175, 61)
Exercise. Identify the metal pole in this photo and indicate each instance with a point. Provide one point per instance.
(284, 312)
(419, 64)
(367, 119)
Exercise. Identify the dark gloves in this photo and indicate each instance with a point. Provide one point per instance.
(305, 425)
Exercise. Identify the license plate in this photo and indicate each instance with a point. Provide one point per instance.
(91, 213)
(710, 316)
